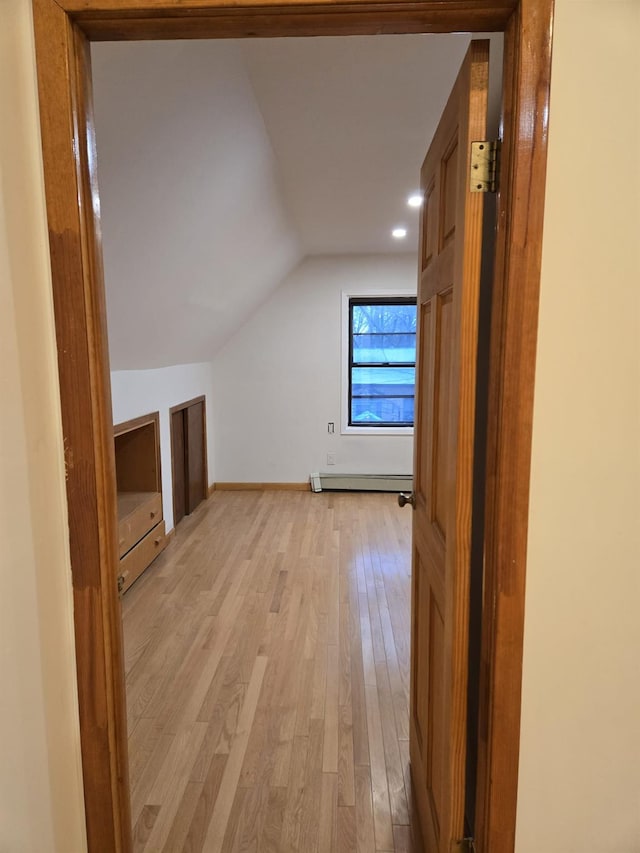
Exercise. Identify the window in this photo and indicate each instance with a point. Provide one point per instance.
(382, 361)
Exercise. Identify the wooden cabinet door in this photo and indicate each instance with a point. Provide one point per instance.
(449, 279)
(195, 465)
(178, 466)
(188, 457)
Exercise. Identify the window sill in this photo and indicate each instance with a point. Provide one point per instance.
(362, 430)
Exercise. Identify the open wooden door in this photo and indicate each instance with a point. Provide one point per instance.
(449, 278)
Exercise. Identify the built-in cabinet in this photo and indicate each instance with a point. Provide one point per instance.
(141, 529)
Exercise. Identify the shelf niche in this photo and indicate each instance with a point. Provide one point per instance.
(141, 528)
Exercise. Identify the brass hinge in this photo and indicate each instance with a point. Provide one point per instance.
(120, 582)
(484, 167)
(464, 844)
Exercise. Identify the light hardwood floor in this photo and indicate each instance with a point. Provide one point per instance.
(267, 663)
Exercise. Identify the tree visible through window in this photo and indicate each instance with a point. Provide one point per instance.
(382, 361)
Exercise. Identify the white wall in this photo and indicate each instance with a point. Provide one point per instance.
(579, 785)
(138, 392)
(41, 803)
(278, 381)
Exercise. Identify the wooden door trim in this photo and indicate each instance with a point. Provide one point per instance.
(181, 406)
(62, 34)
(134, 423)
(119, 20)
(64, 83)
(514, 321)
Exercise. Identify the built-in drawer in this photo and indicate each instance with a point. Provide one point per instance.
(140, 556)
(138, 512)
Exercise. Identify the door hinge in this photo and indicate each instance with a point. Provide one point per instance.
(464, 845)
(484, 167)
(120, 582)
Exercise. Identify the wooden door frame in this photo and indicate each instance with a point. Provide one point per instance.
(180, 408)
(63, 31)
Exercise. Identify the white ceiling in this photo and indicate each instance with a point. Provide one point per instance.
(223, 163)
(350, 120)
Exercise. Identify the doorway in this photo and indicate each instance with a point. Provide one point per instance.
(62, 34)
(188, 456)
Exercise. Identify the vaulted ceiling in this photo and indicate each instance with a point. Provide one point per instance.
(222, 164)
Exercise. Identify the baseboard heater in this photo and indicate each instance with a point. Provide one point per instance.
(360, 482)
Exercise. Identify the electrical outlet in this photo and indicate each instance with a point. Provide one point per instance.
(331, 458)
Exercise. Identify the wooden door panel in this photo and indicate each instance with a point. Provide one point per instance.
(449, 193)
(423, 406)
(178, 466)
(428, 720)
(420, 697)
(194, 425)
(430, 219)
(440, 420)
(436, 730)
(449, 278)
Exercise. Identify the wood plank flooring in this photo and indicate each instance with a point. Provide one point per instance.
(267, 665)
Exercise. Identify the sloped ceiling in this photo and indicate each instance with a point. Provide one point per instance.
(195, 232)
(222, 164)
(350, 120)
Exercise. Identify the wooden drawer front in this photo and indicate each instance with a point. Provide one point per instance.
(139, 557)
(132, 528)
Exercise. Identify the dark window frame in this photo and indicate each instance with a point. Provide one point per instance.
(375, 300)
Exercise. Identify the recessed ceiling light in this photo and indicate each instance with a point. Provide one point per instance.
(399, 233)
(415, 200)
